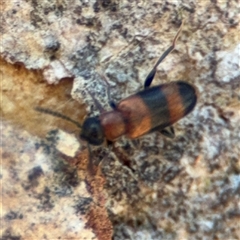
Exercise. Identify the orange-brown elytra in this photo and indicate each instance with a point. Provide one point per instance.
(154, 108)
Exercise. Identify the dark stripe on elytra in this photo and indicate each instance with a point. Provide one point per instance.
(188, 96)
(155, 100)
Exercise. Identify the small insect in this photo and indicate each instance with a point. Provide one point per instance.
(153, 109)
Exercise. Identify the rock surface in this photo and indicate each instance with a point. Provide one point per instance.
(149, 188)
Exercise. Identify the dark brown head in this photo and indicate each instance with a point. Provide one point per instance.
(92, 131)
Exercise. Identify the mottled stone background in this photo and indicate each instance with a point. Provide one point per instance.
(53, 53)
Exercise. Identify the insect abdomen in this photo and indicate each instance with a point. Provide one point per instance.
(157, 107)
(168, 103)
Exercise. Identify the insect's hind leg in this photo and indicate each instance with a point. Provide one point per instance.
(166, 132)
(152, 73)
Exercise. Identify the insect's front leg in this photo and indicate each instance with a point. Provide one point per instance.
(112, 104)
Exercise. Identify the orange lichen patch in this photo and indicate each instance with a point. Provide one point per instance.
(98, 218)
(22, 90)
(80, 160)
(99, 221)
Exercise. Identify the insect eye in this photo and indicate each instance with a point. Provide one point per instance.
(94, 132)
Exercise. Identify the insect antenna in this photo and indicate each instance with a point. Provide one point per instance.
(57, 114)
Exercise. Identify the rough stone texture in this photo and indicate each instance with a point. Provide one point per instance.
(149, 188)
(43, 196)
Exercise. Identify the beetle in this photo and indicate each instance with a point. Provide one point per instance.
(155, 108)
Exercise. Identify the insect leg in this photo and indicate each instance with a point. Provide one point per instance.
(112, 104)
(96, 102)
(167, 131)
(110, 101)
(90, 167)
(151, 75)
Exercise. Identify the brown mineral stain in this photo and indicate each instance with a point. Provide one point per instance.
(22, 90)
